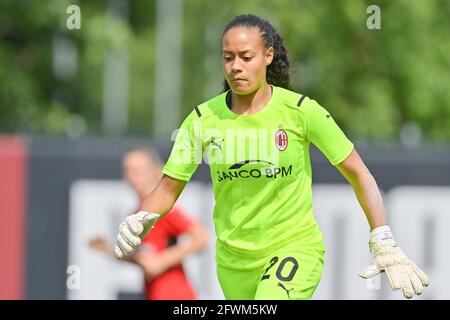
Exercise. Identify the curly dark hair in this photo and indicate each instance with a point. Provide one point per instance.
(278, 71)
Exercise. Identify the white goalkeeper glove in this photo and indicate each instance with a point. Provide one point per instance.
(402, 273)
(132, 230)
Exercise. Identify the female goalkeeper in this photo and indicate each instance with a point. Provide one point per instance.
(256, 137)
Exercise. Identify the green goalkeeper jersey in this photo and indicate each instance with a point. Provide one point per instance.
(260, 168)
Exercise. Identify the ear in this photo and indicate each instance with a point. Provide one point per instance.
(268, 56)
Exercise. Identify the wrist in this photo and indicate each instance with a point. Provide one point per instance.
(148, 220)
(380, 237)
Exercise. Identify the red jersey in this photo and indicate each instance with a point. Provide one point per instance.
(173, 283)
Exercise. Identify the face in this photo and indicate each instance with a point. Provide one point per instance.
(139, 171)
(245, 59)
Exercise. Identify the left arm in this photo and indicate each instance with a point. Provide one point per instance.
(174, 255)
(365, 187)
(155, 264)
(323, 131)
(403, 274)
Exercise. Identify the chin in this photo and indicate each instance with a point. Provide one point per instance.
(243, 89)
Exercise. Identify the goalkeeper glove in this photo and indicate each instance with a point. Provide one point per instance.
(388, 257)
(132, 230)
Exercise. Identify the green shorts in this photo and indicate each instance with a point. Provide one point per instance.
(289, 273)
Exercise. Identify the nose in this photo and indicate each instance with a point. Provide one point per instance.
(236, 66)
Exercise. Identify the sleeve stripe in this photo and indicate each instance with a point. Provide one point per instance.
(198, 111)
(300, 101)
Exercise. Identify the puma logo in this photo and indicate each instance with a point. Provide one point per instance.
(285, 289)
(218, 143)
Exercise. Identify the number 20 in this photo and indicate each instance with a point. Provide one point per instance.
(291, 274)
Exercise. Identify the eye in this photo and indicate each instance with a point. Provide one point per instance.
(247, 58)
(227, 58)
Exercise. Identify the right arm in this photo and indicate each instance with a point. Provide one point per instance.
(164, 196)
(159, 202)
(155, 205)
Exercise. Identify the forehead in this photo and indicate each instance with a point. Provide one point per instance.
(240, 39)
(136, 157)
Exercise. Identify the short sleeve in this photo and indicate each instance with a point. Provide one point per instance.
(324, 133)
(177, 222)
(187, 151)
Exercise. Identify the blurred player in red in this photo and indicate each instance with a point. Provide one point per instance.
(159, 256)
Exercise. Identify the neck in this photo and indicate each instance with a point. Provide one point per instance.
(252, 102)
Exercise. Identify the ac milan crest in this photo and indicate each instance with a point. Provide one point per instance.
(281, 139)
